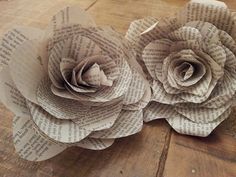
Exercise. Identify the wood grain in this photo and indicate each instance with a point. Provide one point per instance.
(155, 152)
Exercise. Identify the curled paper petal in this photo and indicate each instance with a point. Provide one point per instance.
(128, 123)
(9, 94)
(60, 108)
(64, 131)
(99, 118)
(95, 144)
(72, 15)
(136, 89)
(13, 39)
(25, 63)
(29, 144)
(185, 126)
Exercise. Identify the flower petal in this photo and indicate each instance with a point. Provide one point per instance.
(29, 144)
(157, 110)
(71, 15)
(95, 144)
(10, 95)
(217, 53)
(223, 20)
(136, 89)
(99, 117)
(13, 39)
(26, 69)
(223, 92)
(63, 131)
(118, 89)
(185, 33)
(128, 123)
(58, 107)
(77, 48)
(69, 76)
(160, 95)
(154, 54)
(137, 27)
(209, 32)
(142, 103)
(201, 114)
(185, 126)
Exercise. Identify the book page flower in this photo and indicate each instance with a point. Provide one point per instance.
(190, 62)
(70, 85)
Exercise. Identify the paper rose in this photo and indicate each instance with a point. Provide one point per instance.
(191, 64)
(70, 85)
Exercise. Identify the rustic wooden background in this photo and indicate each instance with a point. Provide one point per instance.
(157, 151)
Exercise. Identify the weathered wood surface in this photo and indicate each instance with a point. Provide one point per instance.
(157, 151)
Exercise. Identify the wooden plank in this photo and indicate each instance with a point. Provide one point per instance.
(208, 157)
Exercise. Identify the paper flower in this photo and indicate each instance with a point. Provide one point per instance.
(70, 85)
(190, 60)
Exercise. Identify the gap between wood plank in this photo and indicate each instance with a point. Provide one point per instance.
(91, 5)
(164, 154)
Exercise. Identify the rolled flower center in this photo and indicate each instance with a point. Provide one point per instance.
(89, 74)
(184, 71)
(184, 68)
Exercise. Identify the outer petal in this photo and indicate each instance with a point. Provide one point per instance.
(202, 115)
(160, 95)
(128, 123)
(61, 108)
(100, 117)
(26, 69)
(185, 126)
(14, 38)
(95, 144)
(137, 27)
(142, 103)
(154, 54)
(136, 89)
(72, 15)
(223, 20)
(157, 110)
(9, 94)
(29, 144)
(64, 131)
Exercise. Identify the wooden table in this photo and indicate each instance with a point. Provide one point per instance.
(157, 151)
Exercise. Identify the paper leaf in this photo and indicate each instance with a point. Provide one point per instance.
(31, 145)
(128, 123)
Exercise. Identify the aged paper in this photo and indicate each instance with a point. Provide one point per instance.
(190, 62)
